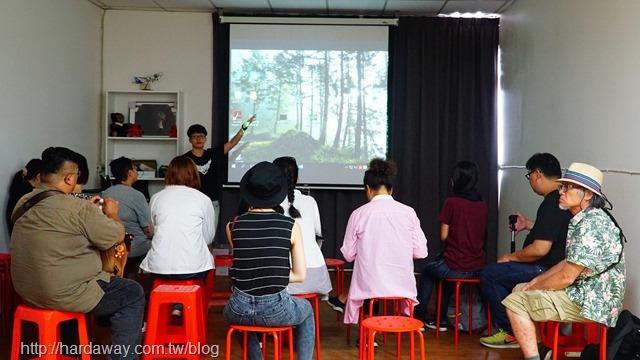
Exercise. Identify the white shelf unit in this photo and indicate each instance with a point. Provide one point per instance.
(160, 149)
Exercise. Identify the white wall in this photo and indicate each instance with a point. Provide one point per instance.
(572, 88)
(50, 87)
(177, 44)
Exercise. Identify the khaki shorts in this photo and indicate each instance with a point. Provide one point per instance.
(543, 305)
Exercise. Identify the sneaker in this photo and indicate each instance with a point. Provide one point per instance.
(500, 340)
(144, 327)
(545, 352)
(431, 324)
(176, 313)
(336, 304)
(375, 343)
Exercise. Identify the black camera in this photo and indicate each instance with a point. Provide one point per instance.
(128, 238)
(513, 219)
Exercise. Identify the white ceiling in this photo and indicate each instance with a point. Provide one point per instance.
(313, 7)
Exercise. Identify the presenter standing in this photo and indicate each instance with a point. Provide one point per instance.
(208, 161)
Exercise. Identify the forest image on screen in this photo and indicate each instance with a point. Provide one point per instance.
(328, 108)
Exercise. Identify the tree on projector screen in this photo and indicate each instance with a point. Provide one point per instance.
(322, 106)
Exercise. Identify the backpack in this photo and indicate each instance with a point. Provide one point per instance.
(623, 341)
(479, 321)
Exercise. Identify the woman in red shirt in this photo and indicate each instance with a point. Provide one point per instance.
(463, 230)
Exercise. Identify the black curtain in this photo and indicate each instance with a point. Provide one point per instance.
(442, 109)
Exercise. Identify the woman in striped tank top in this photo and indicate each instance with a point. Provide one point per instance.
(263, 240)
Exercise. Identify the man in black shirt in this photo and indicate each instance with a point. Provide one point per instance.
(543, 247)
(209, 161)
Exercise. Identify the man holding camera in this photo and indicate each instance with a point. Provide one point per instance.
(587, 286)
(543, 247)
(55, 258)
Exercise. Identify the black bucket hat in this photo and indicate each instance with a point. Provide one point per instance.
(263, 186)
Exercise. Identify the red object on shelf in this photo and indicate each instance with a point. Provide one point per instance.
(135, 130)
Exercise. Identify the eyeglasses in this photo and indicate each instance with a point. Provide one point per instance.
(198, 136)
(528, 176)
(567, 187)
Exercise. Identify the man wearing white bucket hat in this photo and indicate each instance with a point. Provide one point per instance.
(589, 284)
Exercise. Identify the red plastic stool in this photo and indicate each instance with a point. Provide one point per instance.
(575, 342)
(274, 331)
(161, 330)
(220, 297)
(8, 297)
(200, 282)
(459, 282)
(397, 324)
(339, 268)
(48, 322)
(313, 298)
(397, 311)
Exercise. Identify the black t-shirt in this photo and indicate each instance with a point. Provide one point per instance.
(209, 166)
(551, 224)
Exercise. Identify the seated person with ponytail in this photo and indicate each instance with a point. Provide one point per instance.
(304, 210)
(268, 255)
(23, 183)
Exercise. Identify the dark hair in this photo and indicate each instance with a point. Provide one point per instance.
(34, 167)
(114, 117)
(182, 171)
(380, 173)
(83, 167)
(55, 158)
(196, 129)
(548, 165)
(289, 168)
(597, 201)
(120, 168)
(464, 176)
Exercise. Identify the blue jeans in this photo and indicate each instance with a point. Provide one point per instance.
(280, 309)
(123, 302)
(497, 281)
(432, 272)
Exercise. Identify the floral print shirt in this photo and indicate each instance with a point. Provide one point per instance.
(593, 241)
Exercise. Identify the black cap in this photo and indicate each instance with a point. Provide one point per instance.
(263, 186)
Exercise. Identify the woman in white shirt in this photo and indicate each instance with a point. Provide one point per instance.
(304, 210)
(182, 221)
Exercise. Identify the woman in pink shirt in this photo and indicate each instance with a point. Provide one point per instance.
(382, 237)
